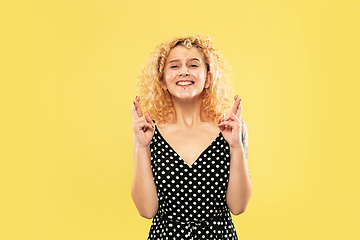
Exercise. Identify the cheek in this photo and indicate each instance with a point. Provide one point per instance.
(201, 75)
(169, 76)
(166, 79)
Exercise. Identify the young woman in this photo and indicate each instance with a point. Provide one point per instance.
(191, 145)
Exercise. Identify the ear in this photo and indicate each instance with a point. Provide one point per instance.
(208, 80)
(163, 85)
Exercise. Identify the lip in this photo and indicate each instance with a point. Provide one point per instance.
(181, 82)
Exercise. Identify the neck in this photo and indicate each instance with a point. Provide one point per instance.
(189, 113)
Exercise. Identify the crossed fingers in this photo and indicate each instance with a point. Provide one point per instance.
(136, 109)
(237, 108)
(233, 119)
(140, 121)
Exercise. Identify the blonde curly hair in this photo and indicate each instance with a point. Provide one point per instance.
(157, 101)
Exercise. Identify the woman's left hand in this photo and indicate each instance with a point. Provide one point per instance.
(230, 126)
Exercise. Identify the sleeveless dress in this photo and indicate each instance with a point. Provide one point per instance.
(192, 199)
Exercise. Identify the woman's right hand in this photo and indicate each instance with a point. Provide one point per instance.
(142, 125)
(143, 190)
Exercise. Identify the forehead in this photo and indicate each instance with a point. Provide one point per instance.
(184, 53)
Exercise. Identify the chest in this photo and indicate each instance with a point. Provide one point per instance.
(190, 144)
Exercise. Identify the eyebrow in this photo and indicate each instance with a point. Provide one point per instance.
(190, 59)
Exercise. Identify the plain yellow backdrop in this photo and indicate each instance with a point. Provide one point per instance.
(67, 72)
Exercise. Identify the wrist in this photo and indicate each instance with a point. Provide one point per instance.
(140, 148)
(237, 150)
(238, 146)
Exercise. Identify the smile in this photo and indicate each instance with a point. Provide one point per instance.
(184, 83)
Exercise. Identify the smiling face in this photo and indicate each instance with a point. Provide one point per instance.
(185, 73)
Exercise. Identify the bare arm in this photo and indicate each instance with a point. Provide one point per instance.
(235, 132)
(239, 186)
(143, 189)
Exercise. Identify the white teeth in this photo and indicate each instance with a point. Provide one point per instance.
(184, 83)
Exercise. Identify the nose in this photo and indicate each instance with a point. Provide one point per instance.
(183, 71)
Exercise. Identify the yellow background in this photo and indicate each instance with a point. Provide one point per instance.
(67, 71)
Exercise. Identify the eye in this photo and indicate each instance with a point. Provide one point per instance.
(174, 66)
(193, 65)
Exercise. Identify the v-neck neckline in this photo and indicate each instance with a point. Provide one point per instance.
(190, 166)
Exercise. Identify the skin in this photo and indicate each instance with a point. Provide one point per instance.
(189, 133)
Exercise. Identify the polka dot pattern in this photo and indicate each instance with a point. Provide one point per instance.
(192, 199)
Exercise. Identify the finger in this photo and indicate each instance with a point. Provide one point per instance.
(239, 111)
(225, 126)
(141, 124)
(133, 112)
(147, 126)
(227, 117)
(222, 123)
(221, 127)
(143, 128)
(148, 119)
(138, 108)
(230, 118)
(236, 104)
(229, 125)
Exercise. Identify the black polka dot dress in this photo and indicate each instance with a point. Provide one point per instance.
(192, 199)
